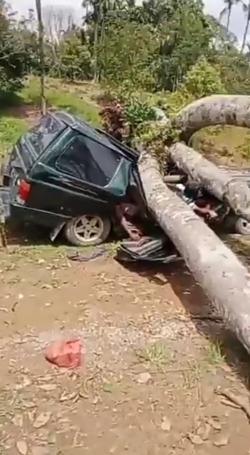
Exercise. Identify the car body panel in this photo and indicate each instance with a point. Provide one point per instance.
(62, 187)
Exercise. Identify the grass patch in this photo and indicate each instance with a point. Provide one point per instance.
(67, 97)
(227, 144)
(11, 129)
(214, 354)
(156, 354)
(193, 374)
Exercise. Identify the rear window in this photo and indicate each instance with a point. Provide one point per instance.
(88, 160)
(44, 133)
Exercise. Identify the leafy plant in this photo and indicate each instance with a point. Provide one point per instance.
(203, 79)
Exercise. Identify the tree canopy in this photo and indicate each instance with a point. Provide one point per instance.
(153, 46)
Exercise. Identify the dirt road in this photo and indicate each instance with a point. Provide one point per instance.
(152, 363)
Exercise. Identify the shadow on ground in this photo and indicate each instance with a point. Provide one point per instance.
(208, 323)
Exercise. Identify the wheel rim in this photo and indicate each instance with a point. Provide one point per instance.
(88, 228)
(244, 226)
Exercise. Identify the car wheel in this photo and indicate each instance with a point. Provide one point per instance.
(87, 230)
(242, 226)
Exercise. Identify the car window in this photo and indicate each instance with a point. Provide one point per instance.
(44, 133)
(88, 160)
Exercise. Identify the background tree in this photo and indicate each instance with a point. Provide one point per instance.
(41, 53)
(12, 54)
(227, 11)
(246, 9)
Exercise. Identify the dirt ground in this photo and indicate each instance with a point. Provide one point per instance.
(156, 361)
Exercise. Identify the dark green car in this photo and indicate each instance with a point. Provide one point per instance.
(64, 174)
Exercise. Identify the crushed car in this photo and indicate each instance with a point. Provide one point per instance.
(69, 177)
(64, 174)
(78, 180)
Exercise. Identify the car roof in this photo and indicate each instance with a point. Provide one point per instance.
(94, 133)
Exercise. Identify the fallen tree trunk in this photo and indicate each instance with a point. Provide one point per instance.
(216, 181)
(213, 110)
(215, 267)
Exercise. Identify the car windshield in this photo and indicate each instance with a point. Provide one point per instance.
(44, 133)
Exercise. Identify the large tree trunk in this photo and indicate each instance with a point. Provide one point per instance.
(224, 279)
(213, 110)
(216, 181)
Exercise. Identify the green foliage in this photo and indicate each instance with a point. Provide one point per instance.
(12, 56)
(11, 129)
(138, 111)
(203, 79)
(74, 60)
(234, 69)
(185, 39)
(127, 53)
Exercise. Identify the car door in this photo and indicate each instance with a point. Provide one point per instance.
(79, 176)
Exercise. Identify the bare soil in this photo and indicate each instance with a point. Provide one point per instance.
(156, 359)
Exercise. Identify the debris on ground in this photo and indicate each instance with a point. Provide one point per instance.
(77, 257)
(144, 378)
(237, 400)
(65, 354)
(166, 424)
(221, 440)
(42, 419)
(22, 447)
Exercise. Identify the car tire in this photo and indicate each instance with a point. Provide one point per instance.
(87, 230)
(242, 226)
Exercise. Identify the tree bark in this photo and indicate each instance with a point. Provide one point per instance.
(213, 110)
(222, 276)
(216, 181)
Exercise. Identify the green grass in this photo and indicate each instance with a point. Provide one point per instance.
(76, 99)
(67, 97)
(228, 144)
(214, 354)
(11, 129)
(155, 354)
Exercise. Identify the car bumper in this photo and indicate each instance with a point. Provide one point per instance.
(23, 214)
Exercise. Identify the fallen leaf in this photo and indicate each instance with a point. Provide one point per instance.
(204, 431)
(215, 424)
(47, 286)
(166, 424)
(42, 419)
(41, 261)
(29, 404)
(31, 415)
(22, 447)
(195, 439)
(25, 383)
(222, 440)
(51, 438)
(229, 403)
(108, 387)
(18, 420)
(48, 387)
(5, 310)
(69, 397)
(143, 378)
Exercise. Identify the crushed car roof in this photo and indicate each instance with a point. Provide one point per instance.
(94, 133)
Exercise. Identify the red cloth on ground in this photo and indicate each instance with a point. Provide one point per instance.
(65, 354)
